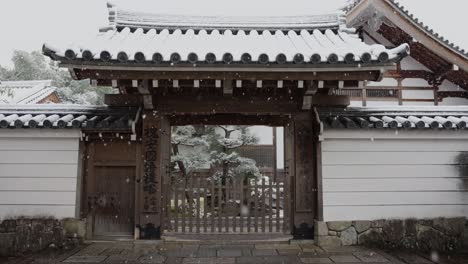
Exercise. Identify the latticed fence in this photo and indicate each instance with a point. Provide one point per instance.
(204, 205)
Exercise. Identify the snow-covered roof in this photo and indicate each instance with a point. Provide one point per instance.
(410, 17)
(160, 39)
(396, 117)
(226, 47)
(121, 18)
(61, 116)
(25, 92)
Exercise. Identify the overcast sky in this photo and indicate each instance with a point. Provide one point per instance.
(27, 24)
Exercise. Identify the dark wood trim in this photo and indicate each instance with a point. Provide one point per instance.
(82, 165)
(289, 173)
(89, 212)
(105, 77)
(207, 105)
(138, 179)
(406, 74)
(123, 99)
(318, 166)
(153, 168)
(447, 94)
(229, 119)
(330, 100)
(275, 162)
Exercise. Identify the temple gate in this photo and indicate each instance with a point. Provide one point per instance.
(244, 71)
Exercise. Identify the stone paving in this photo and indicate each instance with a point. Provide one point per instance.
(216, 252)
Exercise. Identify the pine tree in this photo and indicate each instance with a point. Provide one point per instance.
(34, 66)
(226, 160)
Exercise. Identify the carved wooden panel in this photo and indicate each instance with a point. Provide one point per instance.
(155, 153)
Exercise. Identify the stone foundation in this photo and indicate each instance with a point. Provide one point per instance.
(440, 234)
(23, 236)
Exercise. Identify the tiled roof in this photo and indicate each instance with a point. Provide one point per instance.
(189, 47)
(164, 40)
(120, 18)
(66, 117)
(429, 31)
(396, 118)
(25, 92)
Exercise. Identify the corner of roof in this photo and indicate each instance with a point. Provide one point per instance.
(427, 29)
(112, 17)
(351, 5)
(397, 6)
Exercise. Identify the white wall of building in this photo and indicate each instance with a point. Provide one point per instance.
(380, 174)
(38, 172)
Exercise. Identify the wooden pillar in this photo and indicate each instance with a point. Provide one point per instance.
(436, 94)
(275, 149)
(304, 182)
(153, 165)
(399, 85)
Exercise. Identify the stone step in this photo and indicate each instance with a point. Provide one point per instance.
(228, 239)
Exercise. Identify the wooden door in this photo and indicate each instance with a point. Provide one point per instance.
(110, 190)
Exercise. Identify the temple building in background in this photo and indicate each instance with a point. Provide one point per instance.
(28, 92)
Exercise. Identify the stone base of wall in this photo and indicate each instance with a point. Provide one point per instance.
(440, 234)
(23, 236)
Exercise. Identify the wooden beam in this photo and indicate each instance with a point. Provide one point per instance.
(404, 74)
(143, 87)
(321, 84)
(259, 84)
(155, 83)
(304, 181)
(310, 90)
(300, 84)
(280, 84)
(227, 87)
(340, 84)
(207, 105)
(148, 103)
(275, 151)
(229, 119)
(153, 165)
(224, 105)
(370, 75)
(123, 100)
(330, 100)
(446, 94)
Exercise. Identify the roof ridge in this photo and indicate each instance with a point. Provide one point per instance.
(36, 82)
(121, 18)
(429, 31)
(38, 95)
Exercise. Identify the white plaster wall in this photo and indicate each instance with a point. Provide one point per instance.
(38, 172)
(370, 175)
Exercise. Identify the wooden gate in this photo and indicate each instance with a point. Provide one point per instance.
(204, 205)
(110, 190)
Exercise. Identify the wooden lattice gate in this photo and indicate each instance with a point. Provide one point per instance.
(205, 205)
